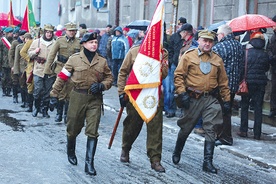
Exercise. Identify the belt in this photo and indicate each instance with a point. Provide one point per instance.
(83, 91)
(194, 93)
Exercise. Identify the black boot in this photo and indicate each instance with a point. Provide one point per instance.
(23, 98)
(90, 152)
(4, 91)
(208, 157)
(178, 148)
(71, 147)
(45, 110)
(15, 94)
(60, 105)
(66, 105)
(8, 92)
(37, 107)
(30, 103)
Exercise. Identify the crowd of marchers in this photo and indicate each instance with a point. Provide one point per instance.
(67, 69)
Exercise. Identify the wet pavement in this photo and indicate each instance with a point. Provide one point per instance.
(261, 152)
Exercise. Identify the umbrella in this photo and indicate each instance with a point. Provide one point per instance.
(250, 21)
(139, 24)
(4, 20)
(214, 27)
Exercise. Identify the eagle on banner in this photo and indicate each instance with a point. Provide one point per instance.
(143, 86)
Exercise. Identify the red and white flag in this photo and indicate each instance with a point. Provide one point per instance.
(143, 86)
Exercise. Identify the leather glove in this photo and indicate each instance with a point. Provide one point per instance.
(96, 88)
(123, 100)
(183, 100)
(53, 103)
(226, 108)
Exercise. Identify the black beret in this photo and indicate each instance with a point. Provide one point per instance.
(89, 36)
(22, 32)
(182, 20)
(186, 27)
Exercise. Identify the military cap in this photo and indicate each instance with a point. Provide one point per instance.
(89, 36)
(27, 35)
(16, 30)
(22, 32)
(8, 30)
(71, 26)
(186, 27)
(48, 27)
(182, 20)
(207, 34)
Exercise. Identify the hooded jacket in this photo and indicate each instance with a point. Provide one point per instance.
(119, 45)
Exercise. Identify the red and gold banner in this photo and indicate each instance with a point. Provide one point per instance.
(144, 82)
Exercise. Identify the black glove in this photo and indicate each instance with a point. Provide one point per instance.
(226, 108)
(183, 100)
(96, 88)
(53, 103)
(123, 100)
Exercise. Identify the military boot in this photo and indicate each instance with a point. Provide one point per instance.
(71, 147)
(208, 157)
(23, 98)
(30, 102)
(60, 105)
(8, 92)
(15, 94)
(90, 153)
(37, 107)
(4, 91)
(45, 110)
(180, 142)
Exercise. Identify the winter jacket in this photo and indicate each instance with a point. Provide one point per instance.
(232, 54)
(272, 52)
(257, 62)
(174, 48)
(103, 45)
(119, 45)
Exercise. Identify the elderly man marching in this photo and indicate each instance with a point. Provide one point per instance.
(39, 51)
(198, 78)
(90, 76)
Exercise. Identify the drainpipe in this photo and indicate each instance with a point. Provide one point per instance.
(39, 10)
(256, 6)
(117, 19)
(212, 12)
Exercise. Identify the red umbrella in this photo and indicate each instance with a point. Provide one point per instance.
(250, 21)
(4, 20)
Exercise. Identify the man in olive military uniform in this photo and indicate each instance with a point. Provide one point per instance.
(133, 122)
(11, 54)
(19, 67)
(64, 47)
(198, 78)
(90, 75)
(29, 70)
(6, 69)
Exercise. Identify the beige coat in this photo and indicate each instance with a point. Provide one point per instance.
(45, 47)
(25, 56)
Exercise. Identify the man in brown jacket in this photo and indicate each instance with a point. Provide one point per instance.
(133, 122)
(198, 78)
(90, 76)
